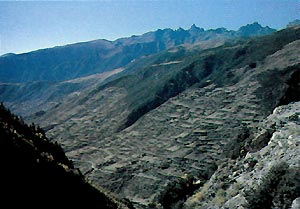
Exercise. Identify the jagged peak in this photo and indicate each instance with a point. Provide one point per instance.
(195, 28)
(251, 25)
(255, 29)
(180, 29)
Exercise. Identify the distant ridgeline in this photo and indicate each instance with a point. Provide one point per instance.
(83, 59)
(36, 173)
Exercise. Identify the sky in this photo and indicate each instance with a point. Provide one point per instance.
(30, 25)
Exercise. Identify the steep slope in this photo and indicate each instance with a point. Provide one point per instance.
(146, 84)
(36, 173)
(268, 176)
(37, 97)
(83, 59)
(189, 133)
(183, 104)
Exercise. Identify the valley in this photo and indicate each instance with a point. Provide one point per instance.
(171, 116)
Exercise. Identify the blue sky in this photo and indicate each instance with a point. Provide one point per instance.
(27, 26)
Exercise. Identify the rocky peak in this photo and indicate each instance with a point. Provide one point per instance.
(254, 29)
(194, 29)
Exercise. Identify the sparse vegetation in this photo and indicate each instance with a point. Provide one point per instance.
(263, 195)
(288, 189)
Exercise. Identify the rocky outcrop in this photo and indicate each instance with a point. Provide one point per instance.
(236, 183)
(296, 203)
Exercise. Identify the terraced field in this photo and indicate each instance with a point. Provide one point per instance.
(187, 135)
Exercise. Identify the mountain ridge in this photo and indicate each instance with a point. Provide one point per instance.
(85, 58)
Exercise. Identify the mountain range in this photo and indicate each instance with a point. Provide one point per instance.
(83, 59)
(39, 79)
(172, 118)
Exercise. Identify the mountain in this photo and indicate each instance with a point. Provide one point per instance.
(36, 172)
(163, 122)
(255, 29)
(37, 81)
(202, 124)
(83, 59)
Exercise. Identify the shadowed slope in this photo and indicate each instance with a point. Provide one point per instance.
(36, 173)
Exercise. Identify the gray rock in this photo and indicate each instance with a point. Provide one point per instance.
(296, 203)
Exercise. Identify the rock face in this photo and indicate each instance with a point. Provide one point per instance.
(237, 181)
(296, 203)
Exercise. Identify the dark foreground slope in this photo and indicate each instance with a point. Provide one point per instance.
(36, 173)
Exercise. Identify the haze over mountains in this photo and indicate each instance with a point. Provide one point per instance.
(82, 59)
(172, 118)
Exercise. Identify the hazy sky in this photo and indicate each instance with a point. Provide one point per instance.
(26, 26)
